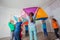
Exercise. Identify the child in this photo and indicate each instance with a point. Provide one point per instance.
(44, 28)
(26, 30)
(32, 27)
(21, 31)
(56, 27)
(18, 30)
(12, 28)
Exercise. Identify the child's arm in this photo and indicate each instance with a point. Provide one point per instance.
(57, 24)
(34, 18)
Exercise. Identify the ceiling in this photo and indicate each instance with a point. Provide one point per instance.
(24, 3)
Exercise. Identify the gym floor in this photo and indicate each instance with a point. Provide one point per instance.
(51, 36)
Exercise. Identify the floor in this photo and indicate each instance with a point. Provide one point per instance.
(40, 37)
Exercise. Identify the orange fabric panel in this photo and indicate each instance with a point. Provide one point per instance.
(41, 14)
(54, 24)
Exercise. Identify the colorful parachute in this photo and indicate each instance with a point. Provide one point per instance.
(30, 9)
(40, 14)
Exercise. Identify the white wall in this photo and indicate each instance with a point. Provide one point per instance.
(5, 15)
(53, 10)
(7, 12)
(23, 3)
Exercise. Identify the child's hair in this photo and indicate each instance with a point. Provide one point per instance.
(12, 21)
(43, 21)
(54, 19)
(31, 13)
(19, 19)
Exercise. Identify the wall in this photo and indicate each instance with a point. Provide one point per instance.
(5, 15)
(53, 10)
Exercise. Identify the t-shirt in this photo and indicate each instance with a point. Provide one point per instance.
(11, 25)
(26, 27)
(31, 25)
(44, 25)
(54, 24)
(18, 26)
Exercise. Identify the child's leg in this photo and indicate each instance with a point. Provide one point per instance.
(45, 32)
(12, 35)
(26, 32)
(17, 36)
(56, 32)
(30, 34)
(35, 35)
(20, 36)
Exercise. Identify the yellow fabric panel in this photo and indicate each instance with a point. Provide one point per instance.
(41, 14)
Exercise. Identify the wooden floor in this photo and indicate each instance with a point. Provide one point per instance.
(40, 37)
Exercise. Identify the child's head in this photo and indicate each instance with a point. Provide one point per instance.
(31, 16)
(54, 20)
(19, 19)
(43, 21)
(12, 21)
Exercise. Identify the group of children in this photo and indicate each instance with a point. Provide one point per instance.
(16, 29)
